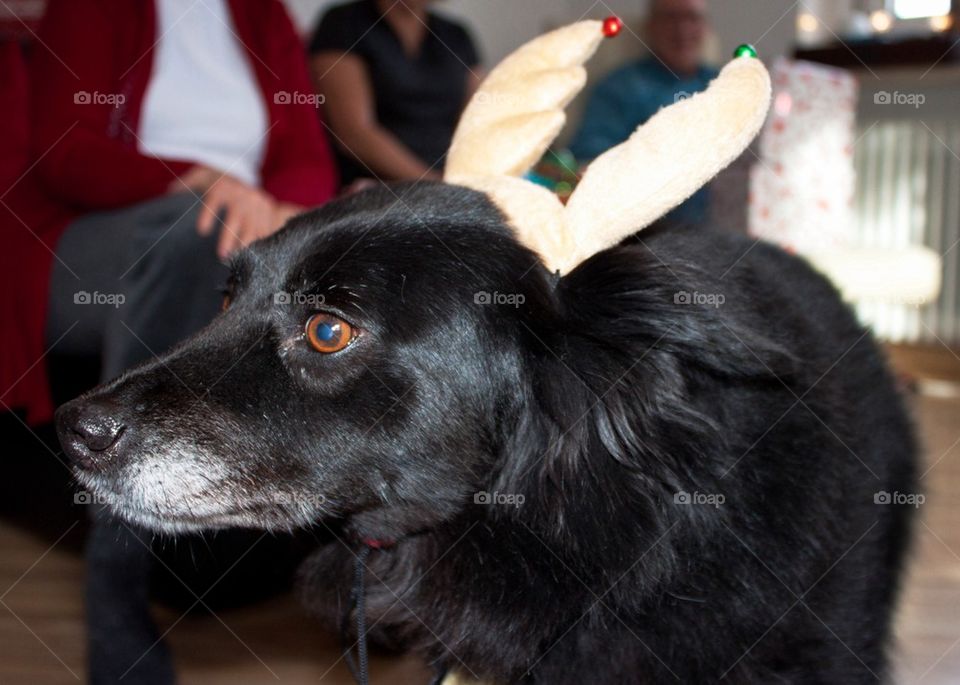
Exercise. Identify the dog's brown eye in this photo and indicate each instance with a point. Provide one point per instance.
(328, 333)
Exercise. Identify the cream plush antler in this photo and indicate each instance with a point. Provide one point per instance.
(518, 111)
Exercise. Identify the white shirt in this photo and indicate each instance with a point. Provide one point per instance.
(203, 103)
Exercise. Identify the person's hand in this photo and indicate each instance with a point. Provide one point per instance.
(196, 180)
(248, 214)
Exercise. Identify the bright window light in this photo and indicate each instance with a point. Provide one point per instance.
(919, 9)
(881, 21)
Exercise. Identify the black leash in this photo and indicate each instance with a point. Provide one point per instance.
(360, 668)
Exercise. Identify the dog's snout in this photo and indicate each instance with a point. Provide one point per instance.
(88, 430)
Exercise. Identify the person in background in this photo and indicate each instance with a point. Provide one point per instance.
(676, 31)
(166, 136)
(394, 78)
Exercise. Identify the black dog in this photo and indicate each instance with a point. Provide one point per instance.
(670, 465)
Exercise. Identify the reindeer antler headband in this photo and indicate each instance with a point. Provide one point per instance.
(518, 111)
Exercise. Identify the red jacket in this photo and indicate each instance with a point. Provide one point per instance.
(83, 157)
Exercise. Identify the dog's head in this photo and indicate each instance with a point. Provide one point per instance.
(362, 362)
(388, 358)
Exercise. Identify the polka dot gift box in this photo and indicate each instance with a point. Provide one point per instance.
(801, 191)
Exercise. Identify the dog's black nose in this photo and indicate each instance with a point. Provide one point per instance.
(87, 430)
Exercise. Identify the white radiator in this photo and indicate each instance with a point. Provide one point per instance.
(908, 192)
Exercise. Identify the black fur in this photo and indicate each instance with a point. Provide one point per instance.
(597, 400)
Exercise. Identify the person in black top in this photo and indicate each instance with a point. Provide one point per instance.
(395, 78)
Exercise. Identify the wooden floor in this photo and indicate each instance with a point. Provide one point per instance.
(41, 637)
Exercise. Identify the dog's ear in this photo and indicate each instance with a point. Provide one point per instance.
(622, 395)
(636, 299)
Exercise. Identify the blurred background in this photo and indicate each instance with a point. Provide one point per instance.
(857, 168)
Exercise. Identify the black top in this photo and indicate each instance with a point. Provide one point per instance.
(418, 99)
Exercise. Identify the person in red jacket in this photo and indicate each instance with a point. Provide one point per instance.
(93, 76)
(165, 136)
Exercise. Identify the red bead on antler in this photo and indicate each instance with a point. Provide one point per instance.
(612, 26)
